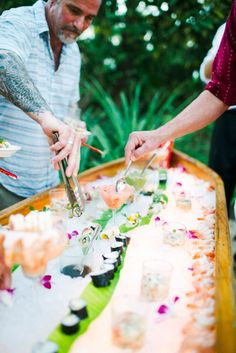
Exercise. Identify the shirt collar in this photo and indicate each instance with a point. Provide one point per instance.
(40, 17)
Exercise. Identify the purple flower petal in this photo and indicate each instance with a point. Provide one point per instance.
(157, 219)
(190, 268)
(69, 236)
(176, 299)
(11, 290)
(74, 233)
(46, 278)
(163, 309)
(47, 285)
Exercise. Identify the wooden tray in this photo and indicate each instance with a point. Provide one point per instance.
(225, 296)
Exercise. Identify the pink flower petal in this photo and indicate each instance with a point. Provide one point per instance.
(176, 299)
(192, 235)
(157, 219)
(179, 184)
(47, 285)
(74, 233)
(190, 268)
(69, 236)
(181, 168)
(163, 309)
(46, 278)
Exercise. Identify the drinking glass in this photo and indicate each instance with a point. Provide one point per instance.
(155, 282)
(128, 317)
(174, 233)
(115, 199)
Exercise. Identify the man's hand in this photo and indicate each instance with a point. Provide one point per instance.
(68, 145)
(141, 142)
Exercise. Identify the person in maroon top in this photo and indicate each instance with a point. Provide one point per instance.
(219, 94)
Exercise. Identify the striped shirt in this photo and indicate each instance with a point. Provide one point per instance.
(24, 31)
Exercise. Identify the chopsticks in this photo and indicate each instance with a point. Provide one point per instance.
(92, 148)
(9, 174)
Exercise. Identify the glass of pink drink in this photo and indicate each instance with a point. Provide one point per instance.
(114, 199)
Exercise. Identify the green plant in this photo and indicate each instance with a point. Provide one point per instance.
(112, 121)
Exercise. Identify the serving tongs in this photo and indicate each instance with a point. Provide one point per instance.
(72, 187)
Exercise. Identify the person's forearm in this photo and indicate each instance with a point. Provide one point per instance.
(205, 109)
(17, 86)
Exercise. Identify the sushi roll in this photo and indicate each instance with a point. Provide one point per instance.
(117, 246)
(113, 255)
(45, 347)
(122, 239)
(100, 278)
(110, 270)
(113, 262)
(78, 307)
(70, 324)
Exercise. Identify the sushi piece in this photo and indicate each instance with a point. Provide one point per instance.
(117, 246)
(113, 262)
(70, 324)
(45, 347)
(122, 239)
(100, 278)
(110, 270)
(78, 307)
(113, 255)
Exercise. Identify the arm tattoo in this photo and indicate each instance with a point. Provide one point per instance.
(17, 86)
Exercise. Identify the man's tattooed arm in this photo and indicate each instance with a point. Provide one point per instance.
(17, 86)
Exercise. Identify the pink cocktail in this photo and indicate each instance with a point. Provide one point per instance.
(114, 199)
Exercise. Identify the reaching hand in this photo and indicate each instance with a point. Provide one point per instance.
(68, 145)
(141, 142)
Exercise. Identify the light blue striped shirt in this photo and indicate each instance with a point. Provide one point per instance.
(24, 30)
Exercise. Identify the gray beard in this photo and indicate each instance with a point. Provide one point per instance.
(66, 40)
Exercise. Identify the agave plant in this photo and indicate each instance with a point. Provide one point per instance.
(111, 121)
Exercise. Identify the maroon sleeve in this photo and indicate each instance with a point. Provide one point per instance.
(223, 82)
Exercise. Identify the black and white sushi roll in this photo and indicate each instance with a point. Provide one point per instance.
(110, 268)
(78, 307)
(113, 262)
(70, 324)
(100, 278)
(117, 246)
(121, 238)
(45, 347)
(113, 255)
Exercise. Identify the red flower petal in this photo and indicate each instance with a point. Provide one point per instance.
(163, 309)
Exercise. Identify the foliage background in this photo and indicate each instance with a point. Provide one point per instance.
(143, 59)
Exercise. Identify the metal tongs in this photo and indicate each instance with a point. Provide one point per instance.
(74, 194)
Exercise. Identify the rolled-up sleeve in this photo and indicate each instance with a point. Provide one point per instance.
(223, 83)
